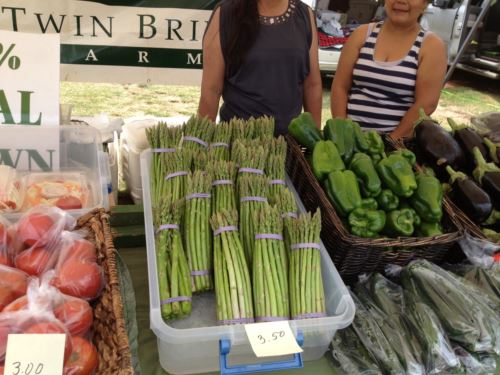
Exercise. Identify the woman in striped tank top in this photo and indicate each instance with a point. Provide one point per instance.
(389, 70)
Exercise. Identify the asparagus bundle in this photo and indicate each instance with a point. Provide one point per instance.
(275, 166)
(196, 230)
(200, 160)
(162, 139)
(197, 133)
(250, 157)
(223, 192)
(253, 195)
(287, 207)
(172, 264)
(221, 141)
(307, 296)
(270, 267)
(176, 168)
(242, 129)
(264, 127)
(233, 290)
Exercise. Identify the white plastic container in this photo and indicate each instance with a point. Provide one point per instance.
(191, 345)
(81, 151)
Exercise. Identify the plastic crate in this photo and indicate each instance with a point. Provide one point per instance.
(193, 345)
(80, 152)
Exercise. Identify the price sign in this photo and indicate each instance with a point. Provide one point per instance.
(35, 354)
(272, 339)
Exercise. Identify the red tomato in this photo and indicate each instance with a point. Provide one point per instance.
(69, 202)
(4, 259)
(79, 279)
(2, 370)
(76, 314)
(13, 279)
(33, 228)
(19, 304)
(52, 327)
(83, 360)
(33, 261)
(6, 297)
(3, 234)
(4, 335)
(81, 250)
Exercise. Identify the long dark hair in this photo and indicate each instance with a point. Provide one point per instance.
(243, 29)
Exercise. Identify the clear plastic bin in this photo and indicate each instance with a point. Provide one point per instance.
(81, 153)
(192, 345)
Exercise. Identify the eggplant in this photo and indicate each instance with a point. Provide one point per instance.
(468, 138)
(488, 176)
(469, 196)
(438, 146)
(494, 150)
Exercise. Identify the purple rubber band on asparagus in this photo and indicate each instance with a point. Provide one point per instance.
(167, 226)
(222, 182)
(160, 150)
(251, 170)
(176, 299)
(219, 144)
(269, 236)
(236, 321)
(200, 273)
(175, 174)
(230, 228)
(306, 245)
(195, 139)
(270, 318)
(277, 182)
(198, 195)
(253, 199)
(293, 215)
(309, 316)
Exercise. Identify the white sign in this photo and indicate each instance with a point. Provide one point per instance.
(35, 354)
(29, 79)
(272, 339)
(30, 147)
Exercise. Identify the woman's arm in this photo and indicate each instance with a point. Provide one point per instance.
(313, 90)
(213, 69)
(343, 76)
(430, 79)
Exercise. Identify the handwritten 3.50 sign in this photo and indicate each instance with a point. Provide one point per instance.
(272, 339)
(13, 61)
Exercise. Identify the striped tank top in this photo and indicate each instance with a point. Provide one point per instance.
(382, 92)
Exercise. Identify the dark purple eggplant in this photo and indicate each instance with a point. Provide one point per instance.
(468, 138)
(493, 149)
(469, 196)
(488, 176)
(438, 146)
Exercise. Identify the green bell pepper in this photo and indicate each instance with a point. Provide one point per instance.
(366, 223)
(304, 130)
(360, 142)
(416, 219)
(377, 157)
(341, 132)
(369, 204)
(363, 168)
(426, 229)
(399, 223)
(375, 143)
(397, 174)
(325, 159)
(428, 198)
(387, 200)
(408, 155)
(343, 190)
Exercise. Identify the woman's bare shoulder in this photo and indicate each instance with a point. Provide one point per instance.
(432, 41)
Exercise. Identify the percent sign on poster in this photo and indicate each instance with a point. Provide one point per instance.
(13, 61)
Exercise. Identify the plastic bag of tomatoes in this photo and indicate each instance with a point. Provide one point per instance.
(5, 242)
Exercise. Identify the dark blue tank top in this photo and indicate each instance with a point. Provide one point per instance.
(270, 79)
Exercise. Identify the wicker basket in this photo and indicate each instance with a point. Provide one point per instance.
(354, 255)
(109, 331)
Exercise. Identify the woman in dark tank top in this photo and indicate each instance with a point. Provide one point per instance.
(261, 56)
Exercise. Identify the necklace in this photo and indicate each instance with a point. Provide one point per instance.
(276, 20)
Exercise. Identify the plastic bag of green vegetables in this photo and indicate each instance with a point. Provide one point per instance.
(474, 364)
(437, 352)
(466, 317)
(395, 334)
(350, 356)
(374, 340)
(488, 280)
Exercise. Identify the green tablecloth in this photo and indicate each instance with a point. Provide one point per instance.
(143, 340)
